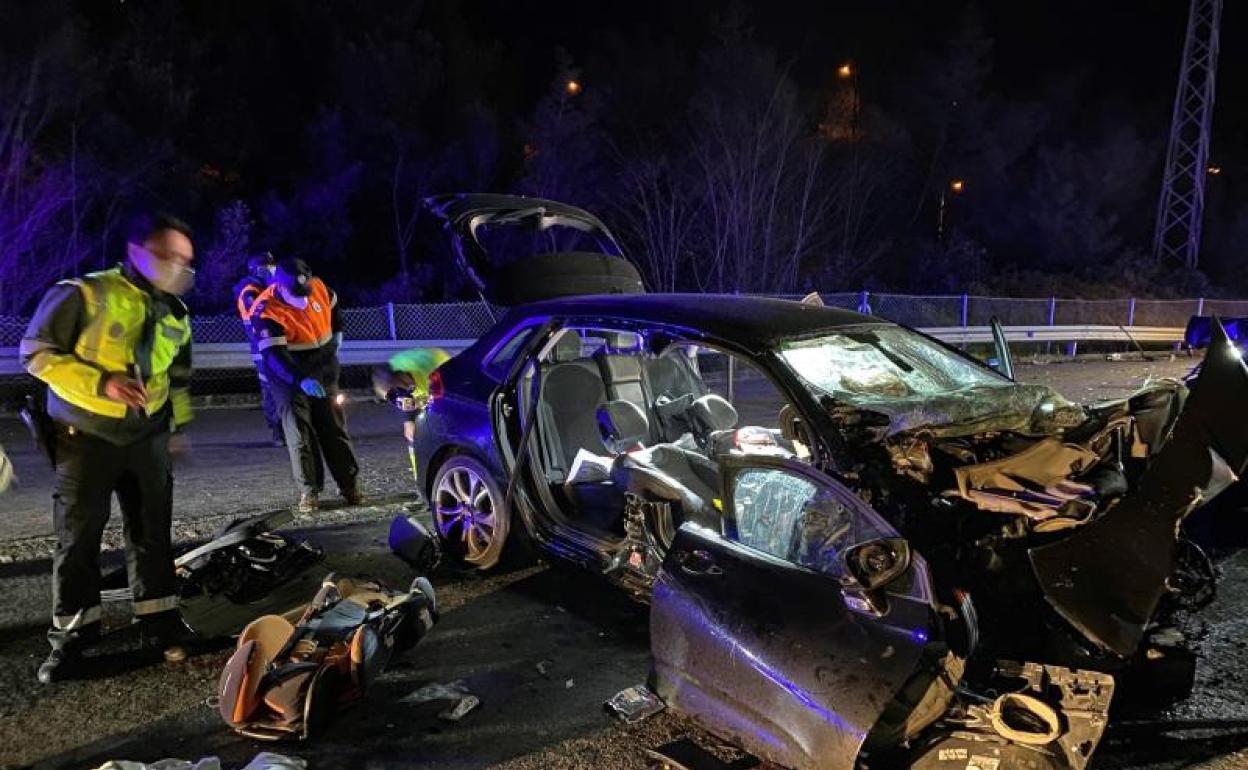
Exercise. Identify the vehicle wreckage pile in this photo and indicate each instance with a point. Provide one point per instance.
(1041, 504)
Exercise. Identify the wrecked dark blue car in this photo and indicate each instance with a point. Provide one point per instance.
(853, 537)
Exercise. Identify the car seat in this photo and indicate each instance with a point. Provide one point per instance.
(664, 472)
(285, 678)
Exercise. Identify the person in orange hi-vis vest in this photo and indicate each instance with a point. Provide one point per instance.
(298, 330)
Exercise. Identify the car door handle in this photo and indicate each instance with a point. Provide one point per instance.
(861, 602)
(699, 563)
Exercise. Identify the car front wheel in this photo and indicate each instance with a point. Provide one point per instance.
(469, 513)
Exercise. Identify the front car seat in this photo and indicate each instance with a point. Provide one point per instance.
(664, 472)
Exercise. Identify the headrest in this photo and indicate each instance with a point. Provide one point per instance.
(622, 424)
(618, 368)
(711, 413)
(618, 342)
(567, 348)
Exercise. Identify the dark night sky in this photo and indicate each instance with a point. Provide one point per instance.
(279, 105)
(1124, 53)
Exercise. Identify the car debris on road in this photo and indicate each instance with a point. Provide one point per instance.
(248, 570)
(462, 707)
(457, 692)
(634, 704)
(265, 760)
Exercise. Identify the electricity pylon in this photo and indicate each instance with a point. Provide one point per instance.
(1177, 237)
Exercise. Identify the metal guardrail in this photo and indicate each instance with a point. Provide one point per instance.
(232, 355)
(958, 335)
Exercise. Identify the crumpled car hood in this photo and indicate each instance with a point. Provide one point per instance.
(1028, 409)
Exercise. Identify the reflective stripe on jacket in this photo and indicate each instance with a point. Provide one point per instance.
(246, 292)
(102, 323)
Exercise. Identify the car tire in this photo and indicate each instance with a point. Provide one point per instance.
(469, 514)
(570, 274)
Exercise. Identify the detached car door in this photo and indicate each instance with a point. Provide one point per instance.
(761, 633)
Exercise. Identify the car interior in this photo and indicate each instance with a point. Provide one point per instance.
(621, 411)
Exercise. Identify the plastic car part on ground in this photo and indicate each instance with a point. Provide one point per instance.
(634, 704)
(462, 701)
(1053, 720)
(263, 761)
(414, 544)
(285, 679)
(248, 570)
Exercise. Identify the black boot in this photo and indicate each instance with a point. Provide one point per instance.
(65, 661)
(61, 664)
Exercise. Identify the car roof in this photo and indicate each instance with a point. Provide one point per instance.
(747, 320)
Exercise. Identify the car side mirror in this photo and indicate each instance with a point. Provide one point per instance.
(876, 563)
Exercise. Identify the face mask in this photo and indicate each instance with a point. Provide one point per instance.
(164, 274)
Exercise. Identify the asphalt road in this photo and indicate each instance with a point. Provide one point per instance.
(589, 640)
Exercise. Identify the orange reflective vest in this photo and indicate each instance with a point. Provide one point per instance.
(303, 329)
(247, 300)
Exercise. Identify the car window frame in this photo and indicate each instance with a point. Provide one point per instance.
(497, 369)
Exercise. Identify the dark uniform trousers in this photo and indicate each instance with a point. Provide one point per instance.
(268, 402)
(88, 471)
(315, 428)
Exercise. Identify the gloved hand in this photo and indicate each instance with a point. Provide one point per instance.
(312, 387)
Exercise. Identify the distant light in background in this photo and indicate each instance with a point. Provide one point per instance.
(340, 399)
(956, 185)
(1214, 170)
(844, 71)
(573, 87)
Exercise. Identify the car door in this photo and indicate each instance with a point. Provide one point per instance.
(512, 418)
(759, 632)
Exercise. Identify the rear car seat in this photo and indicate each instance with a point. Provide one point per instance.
(572, 391)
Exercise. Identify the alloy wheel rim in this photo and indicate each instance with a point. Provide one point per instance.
(465, 511)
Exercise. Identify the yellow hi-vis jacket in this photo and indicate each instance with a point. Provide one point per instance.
(111, 321)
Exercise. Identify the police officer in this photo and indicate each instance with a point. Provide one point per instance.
(114, 348)
(260, 271)
(299, 331)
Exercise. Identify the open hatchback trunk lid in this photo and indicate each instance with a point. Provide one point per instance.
(514, 249)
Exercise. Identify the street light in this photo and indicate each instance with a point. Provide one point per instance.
(1214, 170)
(848, 71)
(955, 187)
(572, 87)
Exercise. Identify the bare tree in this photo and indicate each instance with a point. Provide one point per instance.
(659, 217)
(39, 192)
(760, 170)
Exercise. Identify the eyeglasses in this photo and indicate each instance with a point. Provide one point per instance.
(170, 256)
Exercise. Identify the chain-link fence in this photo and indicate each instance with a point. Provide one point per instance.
(468, 320)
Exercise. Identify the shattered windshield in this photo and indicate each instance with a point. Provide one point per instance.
(876, 363)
